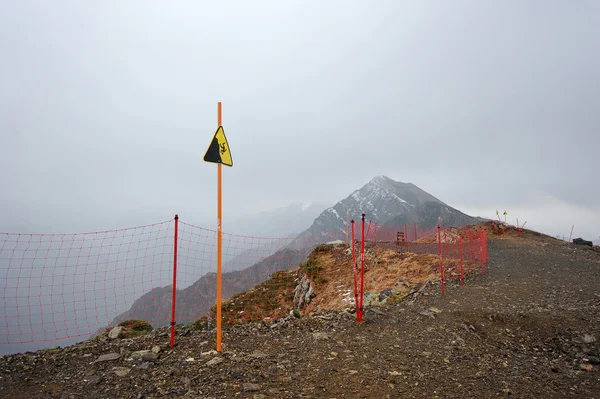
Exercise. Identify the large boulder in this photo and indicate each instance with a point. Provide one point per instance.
(303, 293)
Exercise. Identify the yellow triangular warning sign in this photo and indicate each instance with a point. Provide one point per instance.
(218, 151)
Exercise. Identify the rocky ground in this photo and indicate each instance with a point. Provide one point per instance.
(528, 328)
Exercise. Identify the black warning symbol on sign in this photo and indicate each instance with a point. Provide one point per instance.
(218, 151)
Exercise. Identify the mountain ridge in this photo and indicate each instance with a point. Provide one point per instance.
(383, 199)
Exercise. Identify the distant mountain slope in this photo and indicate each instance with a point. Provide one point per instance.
(388, 202)
(428, 215)
(196, 300)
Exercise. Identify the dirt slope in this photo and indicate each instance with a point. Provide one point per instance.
(528, 328)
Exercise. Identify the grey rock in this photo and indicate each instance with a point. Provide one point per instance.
(321, 335)
(145, 365)
(427, 313)
(93, 380)
(144, 354)
(186, 380)
(107, 357)
(383, 295)
(257, 355)
(248, 387)
(370, 299)
(114, 333)
(214, 361)
(303, 293)
(122, 371)
(588, 338)
(156, 349)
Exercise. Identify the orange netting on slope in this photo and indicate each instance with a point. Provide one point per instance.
(56, 287)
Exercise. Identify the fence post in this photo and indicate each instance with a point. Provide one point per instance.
(481, 255)
(471, 247)
(406, 237)
(484, 246)
(441, 261)
(375, 235)
(362, 267)
(462, 275)
(174, 297)
(354, 271)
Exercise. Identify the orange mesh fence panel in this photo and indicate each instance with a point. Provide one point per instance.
(451, 260)
(259, 274)
(388, 236)
(57, 287)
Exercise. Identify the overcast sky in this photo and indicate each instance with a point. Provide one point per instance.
(107, 107)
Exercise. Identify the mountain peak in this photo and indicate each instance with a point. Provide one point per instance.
(383, 181)
(381, 178)
(384, 200)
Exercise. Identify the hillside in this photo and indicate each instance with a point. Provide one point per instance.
(325, 282)
(382, 199)
(527, 328)
(196, 300)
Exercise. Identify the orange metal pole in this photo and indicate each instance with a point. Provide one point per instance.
(219, 240)
(354, 267)
(441, 259)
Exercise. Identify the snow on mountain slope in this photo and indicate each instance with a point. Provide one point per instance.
(384, 200)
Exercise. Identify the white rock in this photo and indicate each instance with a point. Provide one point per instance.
(215, 361)
(122, 371)
(107, 357)
(114, 333)
(144, 354)
(588, 339)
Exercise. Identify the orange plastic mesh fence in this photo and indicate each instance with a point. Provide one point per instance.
(68, 287)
